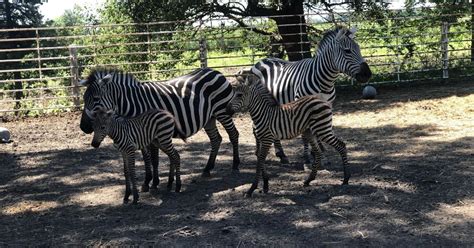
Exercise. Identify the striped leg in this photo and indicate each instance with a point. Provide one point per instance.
(155, 158)
(132, 176)
(229, 126)
(280, 153)
(147, 159)
(175, 170)
(340, 146)
(263, 152)
(128, 191)
(216, 140)
(315, 149)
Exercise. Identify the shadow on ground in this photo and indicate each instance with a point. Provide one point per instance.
(401, 182)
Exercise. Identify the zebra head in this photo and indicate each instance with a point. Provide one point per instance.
(101, 125)
(95, 83)
(241, 98)
(346, 55)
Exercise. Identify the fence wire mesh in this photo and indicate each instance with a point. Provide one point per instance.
(40, 67)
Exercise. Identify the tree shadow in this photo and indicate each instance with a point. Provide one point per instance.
(406, 175)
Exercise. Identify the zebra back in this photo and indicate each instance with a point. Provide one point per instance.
(193, 98)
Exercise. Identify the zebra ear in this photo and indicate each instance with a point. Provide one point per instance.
(106, 79)
(352, 32)
(109, 113)
(341, 33)
(83, 82)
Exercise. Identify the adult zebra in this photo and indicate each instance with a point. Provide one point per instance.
(197, 100)
(288, 81)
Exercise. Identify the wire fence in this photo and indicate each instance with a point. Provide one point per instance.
(40, 67)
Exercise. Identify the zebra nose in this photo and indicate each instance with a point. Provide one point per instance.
(95, 144)
(364, 73)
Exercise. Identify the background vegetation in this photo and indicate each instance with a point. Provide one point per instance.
(165, 41)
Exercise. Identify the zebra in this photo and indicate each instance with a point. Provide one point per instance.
(288, 81)
(197, 100)
(130, 134)
(309, 115)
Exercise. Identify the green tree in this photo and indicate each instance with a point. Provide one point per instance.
(287, 14)
(17, 14)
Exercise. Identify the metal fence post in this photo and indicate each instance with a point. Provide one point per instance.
(74, 75)
(203, 52)
(444, 48)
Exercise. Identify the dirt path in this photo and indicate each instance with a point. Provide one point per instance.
(411, 152)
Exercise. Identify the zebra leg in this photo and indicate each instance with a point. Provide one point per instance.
(216, 139)
(127, 177)
(155, 158)
(317, 158)
(229, 126)
(173, 155)
(263, 152)
(280, 153)
(324, 158)
(257, 141)
(340, 146)
(147, 159)
(132, 175)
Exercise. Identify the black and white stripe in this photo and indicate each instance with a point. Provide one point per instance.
(155, 127)
(309, 115)
(196, 100)
(288, 81)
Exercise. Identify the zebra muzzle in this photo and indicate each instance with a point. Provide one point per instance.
(95, 144)
(364, 73)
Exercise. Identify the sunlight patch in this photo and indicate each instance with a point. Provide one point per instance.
(29, 206)
(30, 179)
(304, 224)
(110, 195)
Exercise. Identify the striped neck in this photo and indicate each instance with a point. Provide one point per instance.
(261, 104)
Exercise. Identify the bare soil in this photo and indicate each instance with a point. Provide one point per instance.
(411, 153)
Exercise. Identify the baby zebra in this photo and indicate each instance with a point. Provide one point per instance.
(274, 122)
(130, 134)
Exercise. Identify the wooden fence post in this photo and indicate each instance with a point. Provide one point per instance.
(74, 75)
(445, 49)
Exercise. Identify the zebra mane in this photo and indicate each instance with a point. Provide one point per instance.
(329, 36)
(102, 71)
(263, 92)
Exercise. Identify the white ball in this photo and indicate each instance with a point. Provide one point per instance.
(4, 135)
(369, 92)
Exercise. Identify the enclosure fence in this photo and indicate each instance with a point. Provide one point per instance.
(40, 67)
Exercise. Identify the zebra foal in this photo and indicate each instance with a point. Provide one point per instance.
(308, 115)
(154, 127)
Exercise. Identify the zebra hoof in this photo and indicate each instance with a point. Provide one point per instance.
(154, 187)
(125, 200)
(306, 184)
(284, 160)
(145, 188)
(248, 195)
(178, 188)
(206, 174)
(345, 181)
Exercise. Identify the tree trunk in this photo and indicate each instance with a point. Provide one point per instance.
(293, 31)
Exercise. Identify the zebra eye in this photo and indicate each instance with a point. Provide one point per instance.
(347, 51)
(96, 99)
(238, 94)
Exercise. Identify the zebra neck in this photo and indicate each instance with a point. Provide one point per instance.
(260, 109)
(126, 101)
(324, 71)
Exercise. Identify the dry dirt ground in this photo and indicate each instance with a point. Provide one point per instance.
(411, 152)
